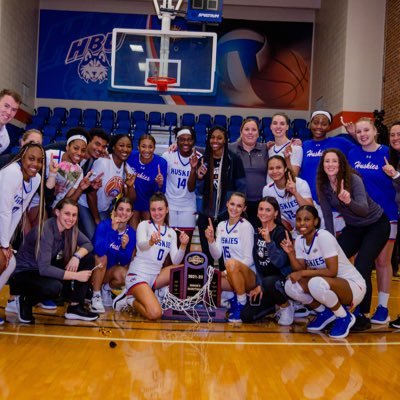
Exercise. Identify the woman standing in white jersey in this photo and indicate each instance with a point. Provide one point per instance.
(154, 241)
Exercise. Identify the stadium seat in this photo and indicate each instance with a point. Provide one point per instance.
(123, 115)
(205, 119)
(188, 119)
(201, 134)
(138, 116)
(220, 120)
(234, 133)
(75, 113)
(235, 120)
(155, 119)
(60, 112)
(171, 119)
(43, 112)
(50, 131)
(90, 114)
(266, 122)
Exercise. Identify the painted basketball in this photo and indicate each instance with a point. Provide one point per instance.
(283, 81)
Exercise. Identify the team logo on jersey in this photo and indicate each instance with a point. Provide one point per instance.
(114, 186)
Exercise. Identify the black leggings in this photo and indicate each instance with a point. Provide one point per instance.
(273, 293)
(36, 288)
(367, 242)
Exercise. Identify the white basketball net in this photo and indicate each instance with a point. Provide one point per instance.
(188, 306)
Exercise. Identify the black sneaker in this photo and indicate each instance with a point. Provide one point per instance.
(79, 312)
(396, 323)
(24, 310)
(362, 323)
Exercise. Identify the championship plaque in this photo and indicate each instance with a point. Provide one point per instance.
(187, 280)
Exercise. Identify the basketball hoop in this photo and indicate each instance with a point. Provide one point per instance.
(161, 82)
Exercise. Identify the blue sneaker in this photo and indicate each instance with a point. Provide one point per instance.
(1, 321)
(321, 320)
(234, 315)
(341, 326)
(381, 315)
(47, 305)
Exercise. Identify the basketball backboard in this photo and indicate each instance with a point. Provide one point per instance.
(141, 57)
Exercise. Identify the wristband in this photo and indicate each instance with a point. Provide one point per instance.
(396, 176)
(76, 255)
(52, 174)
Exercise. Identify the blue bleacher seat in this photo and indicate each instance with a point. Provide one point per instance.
(123, 115)
(266, 122)
(299, 123)
(170, 119)
(72, 122)
(50, 131)
(205, 119)
(304, 134)
(201, 134)
(141, 127)
(37, 122)
(43, 112)
(267, 134)
(107, 125)
(188, 119)
(124, 124)
(235, 120)
(155, 119)
(75, 113)
(255, 118)
(138, 116)
(60, 112)
(234, 133)
(91, 114)
(108, 115)
(220, 120)
(89, 123)
(54, 120)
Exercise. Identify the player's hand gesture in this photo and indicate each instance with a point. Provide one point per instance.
(264, 232)
(156, 236)
(115, 221)
(349, 126)
(388, 169)
(288, 150)
(129, 178)
(257, 291)
(209, 232)
(183, 238)
(287, 244)
(290, 184)
(85, 182)
(344, 195)
(193, 159)
(202, 170)
(124, 241)
(97, 183)
(159, 177)
(53, 166)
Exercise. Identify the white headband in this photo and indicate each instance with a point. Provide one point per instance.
(183, 132)
(76, 137)
(327, 115)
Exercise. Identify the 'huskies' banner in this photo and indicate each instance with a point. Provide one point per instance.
(259, 64)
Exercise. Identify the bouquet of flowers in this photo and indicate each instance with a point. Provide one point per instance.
(70, 172)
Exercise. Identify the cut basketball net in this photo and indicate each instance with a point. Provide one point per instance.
(188, 306)
(162, 82)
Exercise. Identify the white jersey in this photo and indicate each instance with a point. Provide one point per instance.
(16, 195)
(177, 193)
(323, 246)
(234, 241)
(68, 177)
(288, 204)
(296, 157)
(150, 259)
(113, 183)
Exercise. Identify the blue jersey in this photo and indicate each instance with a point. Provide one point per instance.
(107, 242)
(145, 183)
(312, 153)
(378, 185)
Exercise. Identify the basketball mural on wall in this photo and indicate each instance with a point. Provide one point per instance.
(254, 73)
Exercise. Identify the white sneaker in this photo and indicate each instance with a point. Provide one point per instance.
(120, 302)
(300, 310)
(97, 304)
(286, 315)
(11, 306)
(106, 296)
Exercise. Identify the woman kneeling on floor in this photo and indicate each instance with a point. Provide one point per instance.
(39, 275)
(323, 277)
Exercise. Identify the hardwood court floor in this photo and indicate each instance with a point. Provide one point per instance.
(59, 359)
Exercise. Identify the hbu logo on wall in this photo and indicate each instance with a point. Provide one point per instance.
(92, 53)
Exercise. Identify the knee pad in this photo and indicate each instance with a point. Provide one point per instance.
(321, 291)
(296, 292)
